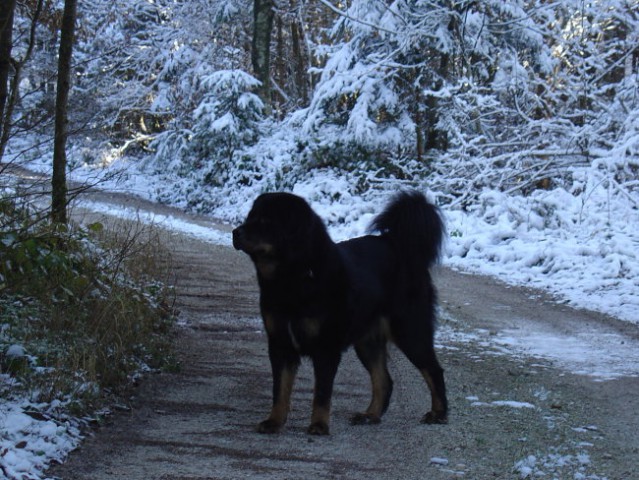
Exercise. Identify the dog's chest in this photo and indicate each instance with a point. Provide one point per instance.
(305, 332)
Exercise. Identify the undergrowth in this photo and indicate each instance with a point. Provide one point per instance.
(83, 310)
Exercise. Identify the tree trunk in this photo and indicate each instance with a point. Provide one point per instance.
(9, 89)
(263, 13)
(436, 138)
(299, 62)
(280, 63)
(59, 181)
(6, 42)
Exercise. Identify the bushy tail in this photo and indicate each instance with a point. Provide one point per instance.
(415, 228)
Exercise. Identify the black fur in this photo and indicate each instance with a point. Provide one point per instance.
(317, 298)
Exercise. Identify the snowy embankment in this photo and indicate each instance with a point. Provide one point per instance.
(588, 255)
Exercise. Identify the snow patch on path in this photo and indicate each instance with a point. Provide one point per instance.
(209, 234)
(600, 355)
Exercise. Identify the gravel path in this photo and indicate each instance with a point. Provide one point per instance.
(512, 415)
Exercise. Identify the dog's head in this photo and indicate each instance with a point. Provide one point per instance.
(281, 230)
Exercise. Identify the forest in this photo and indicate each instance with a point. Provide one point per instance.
(234, 95)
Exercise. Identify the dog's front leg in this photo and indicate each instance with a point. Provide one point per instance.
(325, 368)
(284, 363)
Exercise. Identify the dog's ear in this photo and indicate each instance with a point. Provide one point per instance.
(308, 239)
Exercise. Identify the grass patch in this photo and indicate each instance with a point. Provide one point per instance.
(83, 310)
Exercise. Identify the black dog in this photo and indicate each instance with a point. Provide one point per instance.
(317, 298)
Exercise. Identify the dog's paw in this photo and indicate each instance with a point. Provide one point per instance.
(317, 428)
(365, 419)
(269, 426)
(435, 418)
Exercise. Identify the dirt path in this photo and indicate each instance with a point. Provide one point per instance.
(512, 415)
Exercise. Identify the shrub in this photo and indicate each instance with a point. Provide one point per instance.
(86, 305)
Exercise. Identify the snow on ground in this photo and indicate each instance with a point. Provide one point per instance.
(555, 463)
(30, 441)
(167, 222)
(586, 255)
(599, 355)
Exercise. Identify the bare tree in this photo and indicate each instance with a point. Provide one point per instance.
(6, 40)
(9, 85)
(59, 180)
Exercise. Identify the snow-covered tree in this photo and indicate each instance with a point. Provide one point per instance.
(154, 55)
(396, 79)
(227, 119)
(506, 94)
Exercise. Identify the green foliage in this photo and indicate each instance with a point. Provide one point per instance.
(86, 307)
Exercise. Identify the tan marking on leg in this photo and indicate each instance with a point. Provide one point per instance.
(385, 328)
(380, 386)
(321, 414)
(279, 412)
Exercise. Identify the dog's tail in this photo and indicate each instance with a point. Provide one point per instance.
(416, 229)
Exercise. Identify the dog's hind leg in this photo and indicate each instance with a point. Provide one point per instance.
(417, 345)
(433, 373)
(372, 353)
